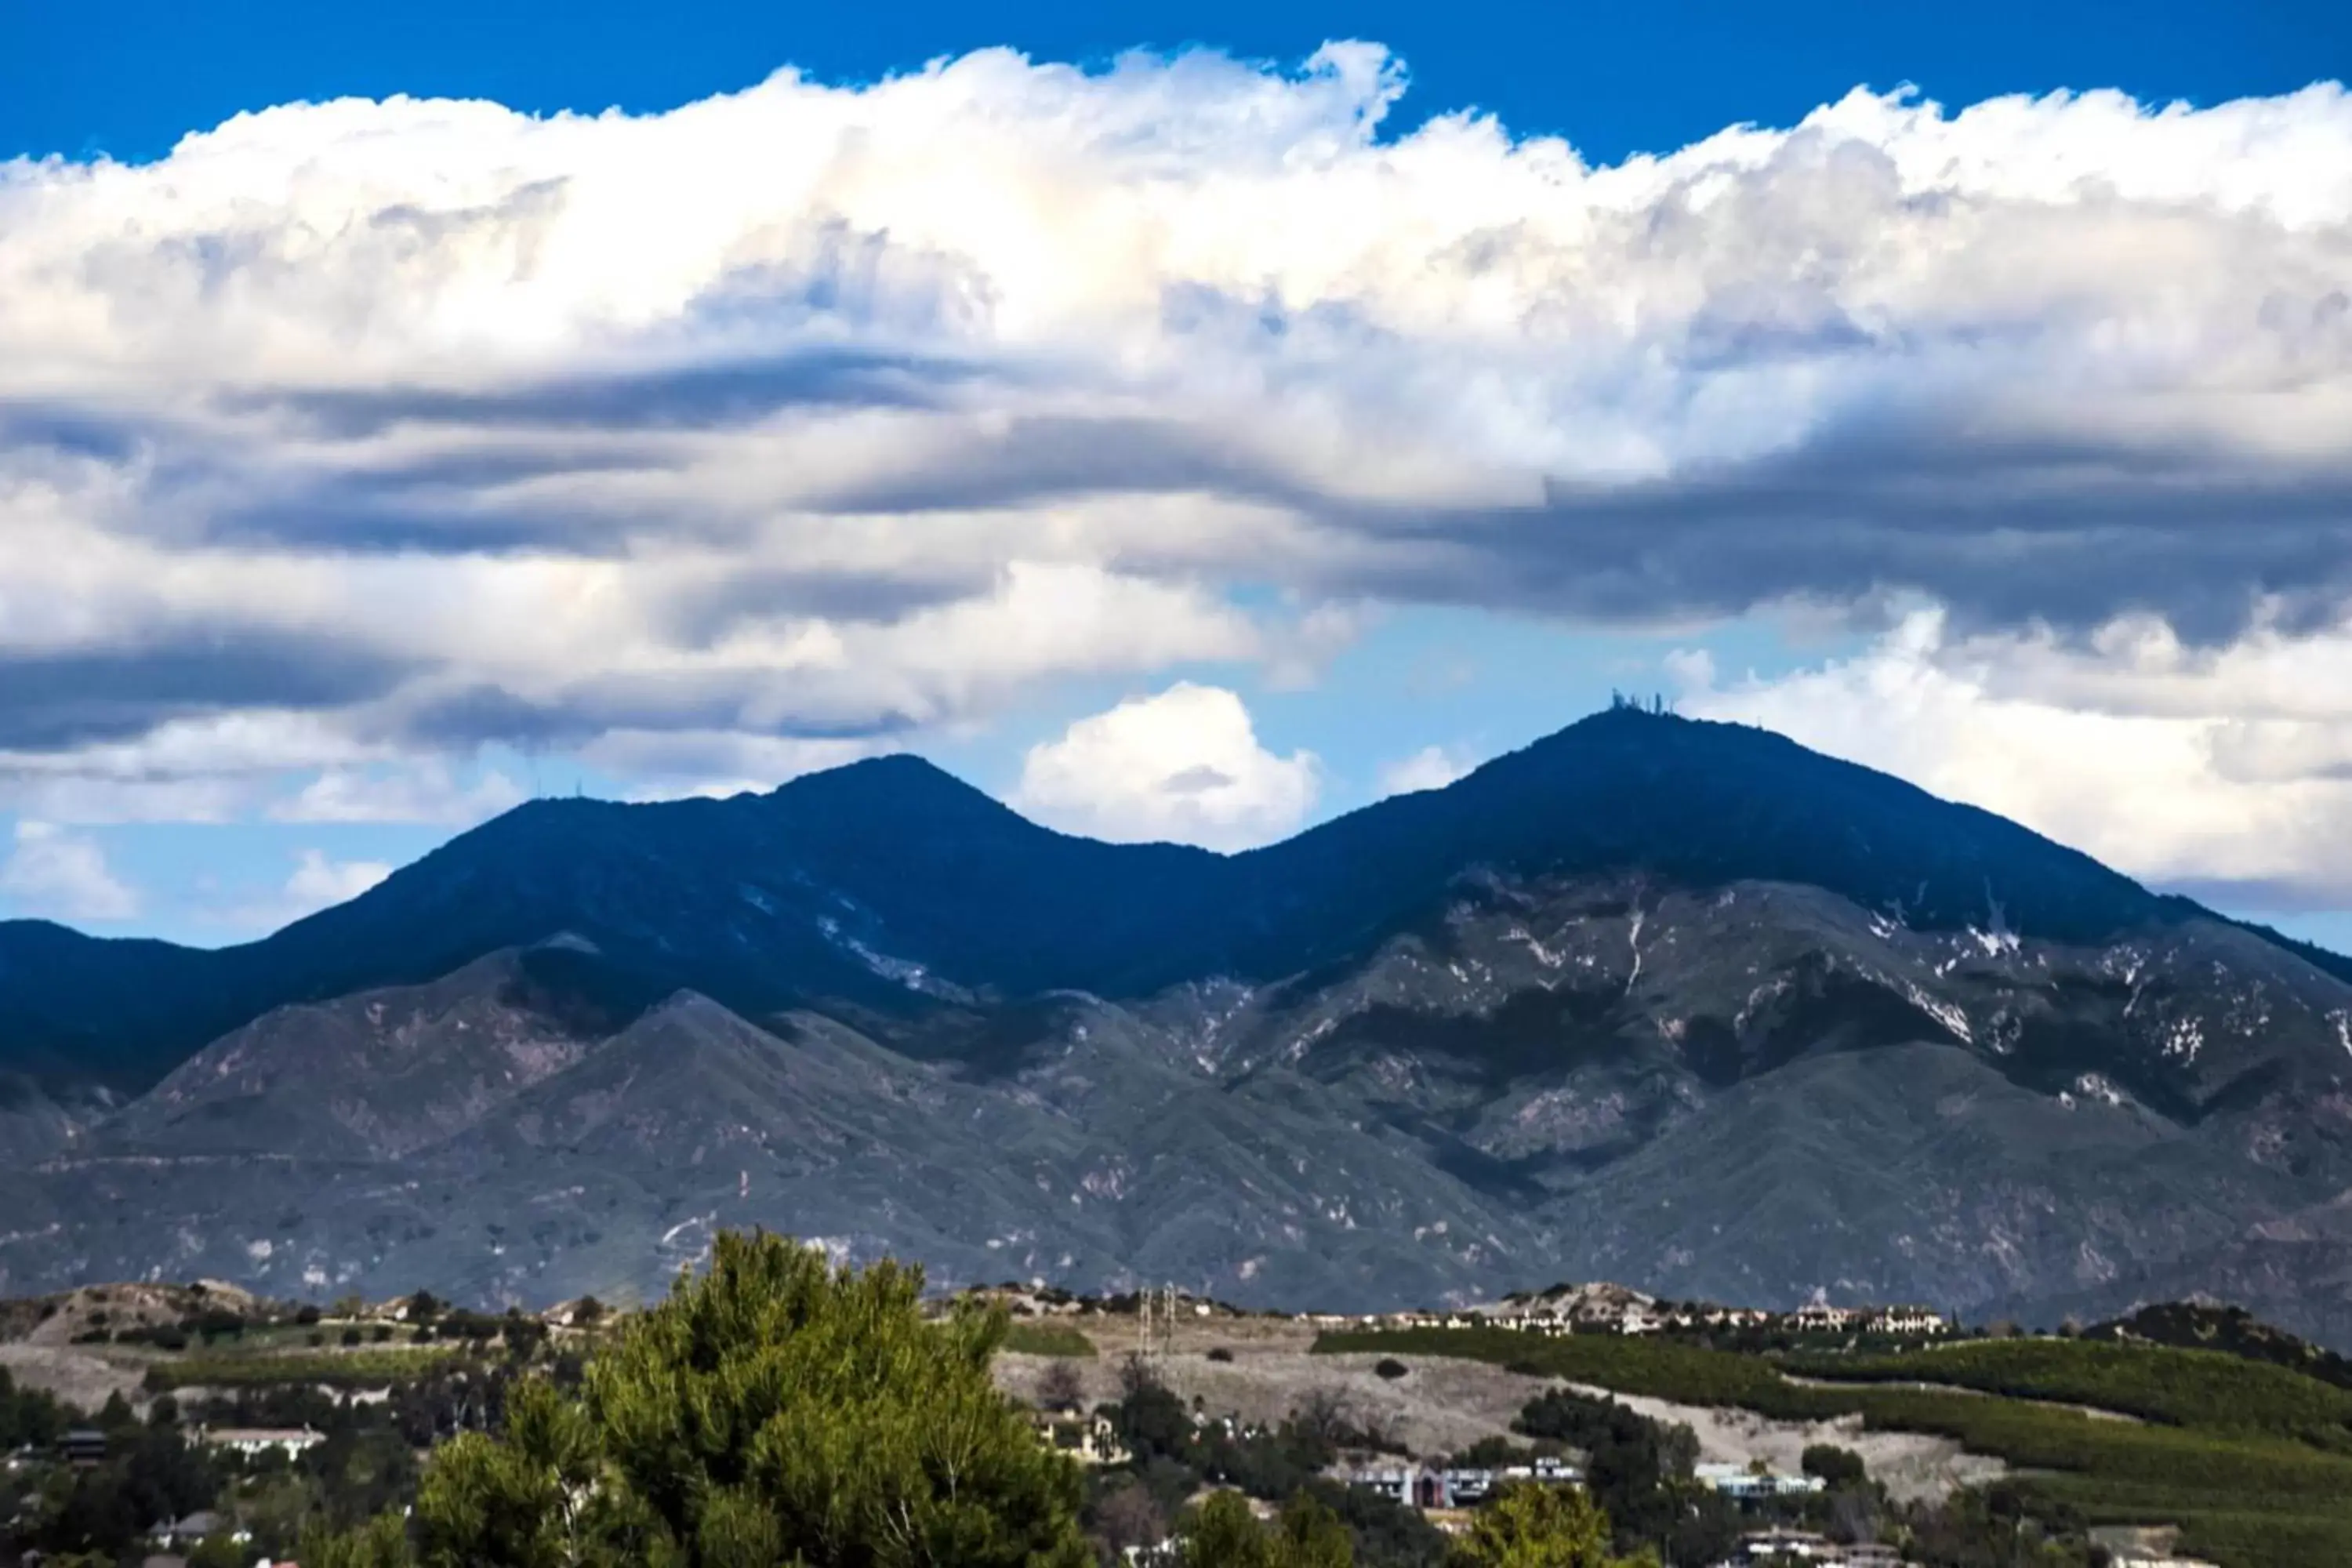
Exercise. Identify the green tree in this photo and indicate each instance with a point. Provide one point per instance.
(1528, 1526)
(1224, 1533)
(774, 1410)
(382, 1542)
(1837, 1466)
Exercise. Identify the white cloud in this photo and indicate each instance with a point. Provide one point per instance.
(2228, 771)
(664, 765)
(1432, 767)
(1183, 766)
(63, 876)
(354, 436)
(318, 882)
(423, 791)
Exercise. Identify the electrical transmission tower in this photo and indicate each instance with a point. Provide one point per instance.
(1156, 1321)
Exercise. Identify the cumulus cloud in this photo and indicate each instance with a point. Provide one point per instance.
(1183, 766)
(669, 765)
(318, 882)
(428, 792)
(2223, 772)
(64, 876)
(824, 415)
(1432, 767)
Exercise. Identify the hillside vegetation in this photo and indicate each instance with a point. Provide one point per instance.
(2250, 1461)
(2154, 1382)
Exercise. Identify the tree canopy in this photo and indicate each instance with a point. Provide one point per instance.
(1527, 1526)
(1224, 1533)
(774, 1410)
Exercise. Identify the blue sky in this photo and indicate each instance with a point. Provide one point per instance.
(360, 490)
(130, 79)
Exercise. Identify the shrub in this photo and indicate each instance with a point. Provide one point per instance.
(1389, 1368)
(1837, 1466)
(1047, 1339)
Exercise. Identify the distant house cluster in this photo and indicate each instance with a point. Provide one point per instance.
(1603, 1309)
(253, 1442)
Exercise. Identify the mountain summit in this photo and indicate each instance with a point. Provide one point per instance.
(1658, 999)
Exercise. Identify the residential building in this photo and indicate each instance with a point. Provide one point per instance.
(1545, 1471)
(255, 1441)
(1779, 1546)
(1745, 1485)
(1090, 1439)
(183, 1533)
(1818, 1319)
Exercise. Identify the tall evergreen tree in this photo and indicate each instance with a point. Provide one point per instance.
(774, 1411)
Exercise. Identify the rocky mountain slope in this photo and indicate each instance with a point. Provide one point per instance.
(1675, 1003)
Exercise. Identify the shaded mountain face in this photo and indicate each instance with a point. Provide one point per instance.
(1675, 1003)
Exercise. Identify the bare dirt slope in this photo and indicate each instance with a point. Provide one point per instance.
(74, 1375)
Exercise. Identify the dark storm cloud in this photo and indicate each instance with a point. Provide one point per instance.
(681, 398)
(818, 708)
(2004, 531)
(55, 701)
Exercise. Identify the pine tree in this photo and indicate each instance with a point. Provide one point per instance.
(772, 1411)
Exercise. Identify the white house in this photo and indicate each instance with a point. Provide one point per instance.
(1818, 1319)
(255, 1441)
(1906, 1321)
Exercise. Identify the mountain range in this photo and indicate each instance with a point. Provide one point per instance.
(1672, 1002)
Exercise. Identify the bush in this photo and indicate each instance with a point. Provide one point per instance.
(1047, 1339)
(1389, 1368)
(1220, 1353)
(1835, 1466)
(351, 1336)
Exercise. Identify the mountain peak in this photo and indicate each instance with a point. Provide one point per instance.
(896, 780)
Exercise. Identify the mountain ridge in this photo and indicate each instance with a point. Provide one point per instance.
(1318, 897)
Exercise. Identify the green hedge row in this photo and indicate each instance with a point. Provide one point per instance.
(2181, 1387)
(352, 1369)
